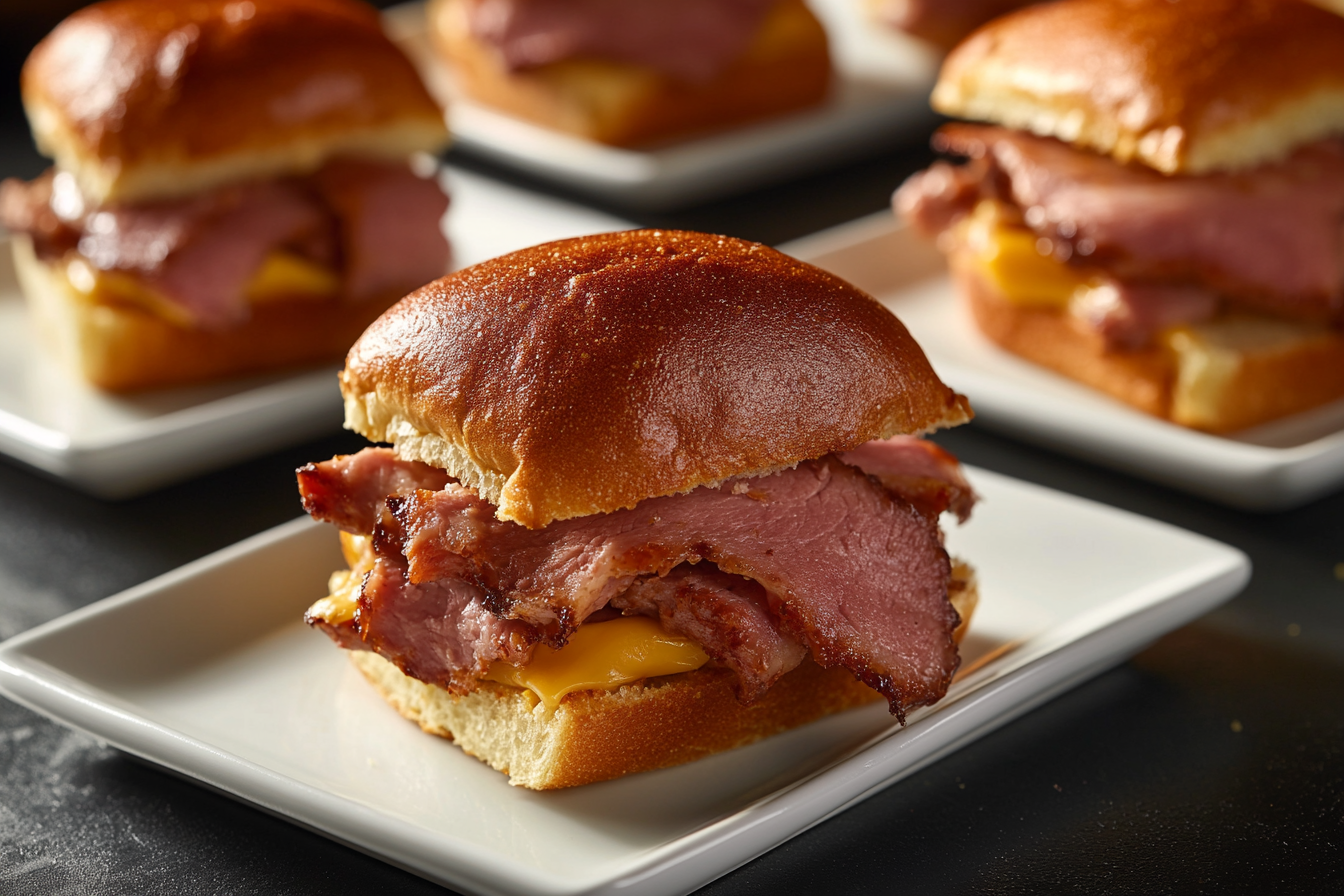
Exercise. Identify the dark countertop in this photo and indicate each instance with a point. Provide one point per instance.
(1211, 762)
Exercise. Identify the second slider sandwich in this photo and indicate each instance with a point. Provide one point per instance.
(629, 73)
(232, 188)
(649, 496)
(1156, 208)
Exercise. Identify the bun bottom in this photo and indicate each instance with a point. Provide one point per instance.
(788, 67)
(599, 735)
(1232, 373)
(121, 348)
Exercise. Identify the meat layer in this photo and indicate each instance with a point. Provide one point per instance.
(692, 40)
(439, 631)
(376, 224)
(350, 491)
(728, 616)
(1269, 239)
(821, 558)
(919, 471)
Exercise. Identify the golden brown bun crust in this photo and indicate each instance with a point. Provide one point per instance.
(585, 375)
(1189, 86)
(1267, 384)
(122, 348)
(788, 67)
(131, 84)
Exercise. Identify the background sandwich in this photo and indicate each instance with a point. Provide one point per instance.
(232, 187)
(650, 495)
(632, 73)
(1156, 210)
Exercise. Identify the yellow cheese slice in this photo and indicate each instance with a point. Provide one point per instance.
(340, 604)
(286, 276)
(1007, 258)
(604, 655)
(282, 275)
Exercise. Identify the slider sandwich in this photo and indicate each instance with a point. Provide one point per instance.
(649, 496)
(1156, 205)
(232, 188)
(628, 73)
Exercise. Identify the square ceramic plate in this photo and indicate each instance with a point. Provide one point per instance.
(255, 704)
(1272, 467)
(117, 446)
(880, 93)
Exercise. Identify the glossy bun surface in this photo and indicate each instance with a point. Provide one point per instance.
(1190, 86)
(585, 375)
(145, 99)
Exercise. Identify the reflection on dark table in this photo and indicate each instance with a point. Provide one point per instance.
(1214, 761)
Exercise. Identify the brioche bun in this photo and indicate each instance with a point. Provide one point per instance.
(124, 348)
(599, 735)
(149, 99)
(1188, 87)
(787, 67)
(585, 375)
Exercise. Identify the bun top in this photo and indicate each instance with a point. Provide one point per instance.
(145, 99)
(1190, 86)
(585, 375)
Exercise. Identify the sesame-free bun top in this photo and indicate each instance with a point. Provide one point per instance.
(147, 99)
(585, 375)
(1183, 87)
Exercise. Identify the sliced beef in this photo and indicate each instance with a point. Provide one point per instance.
(919, 471)
(391, 226)
(350, 491)
(728, 616)
(934, 199)
(856, 574)
(1270, 238)
(1128, 315)
(438, 632)
(377, 223)
(688, 39)
(200, 253)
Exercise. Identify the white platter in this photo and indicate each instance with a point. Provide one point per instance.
(251, 702)
(1273, 467)
(118, 446)
(880, 93)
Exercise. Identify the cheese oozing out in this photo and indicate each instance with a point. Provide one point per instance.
(599, 656)
(282, 276)
(1007, 257)
(602, 656)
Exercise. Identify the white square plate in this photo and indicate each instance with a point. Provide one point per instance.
(881, 92)
(209, 671)
(117, 446)
(1272, 467)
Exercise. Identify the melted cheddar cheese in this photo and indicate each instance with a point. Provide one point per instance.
(342, 601)
(1006, 257)
(602, 655)
(282, 276)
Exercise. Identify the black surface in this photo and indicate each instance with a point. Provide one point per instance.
(1212, 762)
